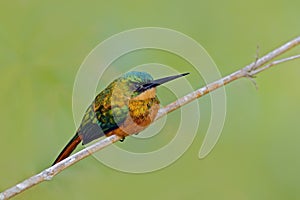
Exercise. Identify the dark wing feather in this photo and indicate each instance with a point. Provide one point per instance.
(102, 117)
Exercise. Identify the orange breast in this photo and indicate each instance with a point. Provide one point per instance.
(141, 114)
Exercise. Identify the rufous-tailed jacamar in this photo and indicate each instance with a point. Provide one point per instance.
(127, 106)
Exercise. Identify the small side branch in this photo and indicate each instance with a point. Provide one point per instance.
(249, 71)
(276, 62)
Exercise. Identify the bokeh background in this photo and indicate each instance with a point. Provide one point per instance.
(43, 43)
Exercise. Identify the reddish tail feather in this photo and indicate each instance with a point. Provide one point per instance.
(69, 148)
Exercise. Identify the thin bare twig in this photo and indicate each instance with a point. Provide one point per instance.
(276, 62)
(249, 71)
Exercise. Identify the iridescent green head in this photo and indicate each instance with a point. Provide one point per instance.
(138, 77)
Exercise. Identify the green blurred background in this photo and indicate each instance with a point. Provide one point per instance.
(43, 43)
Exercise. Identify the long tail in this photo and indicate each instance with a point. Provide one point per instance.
(69, 148)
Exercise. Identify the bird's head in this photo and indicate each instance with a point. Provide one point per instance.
(142, 84)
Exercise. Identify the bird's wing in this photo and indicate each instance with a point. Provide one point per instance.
(103, 116)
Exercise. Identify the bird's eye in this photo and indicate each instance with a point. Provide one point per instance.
(138, 87)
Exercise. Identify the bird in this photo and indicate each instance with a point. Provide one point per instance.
(126, 106)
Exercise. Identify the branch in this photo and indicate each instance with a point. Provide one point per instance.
(249, 71)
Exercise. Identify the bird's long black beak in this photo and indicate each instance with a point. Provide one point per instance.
(158, 82)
